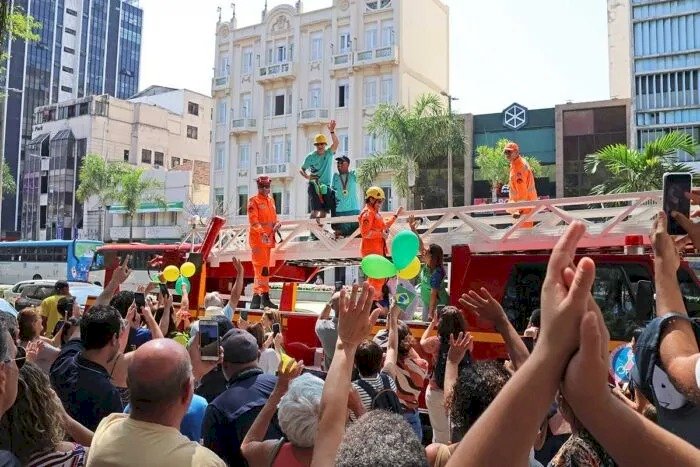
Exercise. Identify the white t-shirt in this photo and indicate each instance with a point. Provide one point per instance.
(269, 361)
(122, 441)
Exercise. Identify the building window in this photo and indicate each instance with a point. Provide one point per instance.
(343, 95)
(193, 108)
(71, 12)
(344, 41)
(244, 156)
(67, 69)
(70, 31)
(173, 217)
(370, 85)
(140, 219)
(387, 89)
(146, 156)
(224, 65)
(219, 156)
(158, 158)
(185, 161)
(191, 132)
(387, 33)
(221, 111)
(68, 50)
(316, 46)
(174, 161)
(126, 155)
(279, 105)
(370, 38)
(242, 200)
(84, 108)
(314, 95)
(246, 102)
(66, 89)
(344, 142)
(247, 60)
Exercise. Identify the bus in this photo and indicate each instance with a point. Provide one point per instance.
(70, 260)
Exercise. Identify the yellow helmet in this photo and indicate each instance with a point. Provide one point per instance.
(320, 139)
(374, 192)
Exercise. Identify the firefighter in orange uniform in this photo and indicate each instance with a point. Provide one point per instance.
(375, 231)
(521, 183)
(262, 218)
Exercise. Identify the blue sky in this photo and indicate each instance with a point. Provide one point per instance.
(535, 52)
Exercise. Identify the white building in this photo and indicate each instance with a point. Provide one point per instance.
(278, 83)
(160, 128)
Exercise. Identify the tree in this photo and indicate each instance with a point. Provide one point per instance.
(415, 138)
(631, 170)
(133, 190)
(100, 178)
(7, 184)
(495, 168)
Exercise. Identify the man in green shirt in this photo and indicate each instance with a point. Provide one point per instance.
(317, 170)
(345, 186)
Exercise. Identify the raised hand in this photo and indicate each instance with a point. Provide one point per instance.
(459, 347)
(665, 248)
(202, 367)
(354, 318)
(286, 372)
(122, 273)
(484, 306)
(331, 126)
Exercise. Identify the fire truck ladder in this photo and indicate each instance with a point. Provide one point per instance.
(485, 228)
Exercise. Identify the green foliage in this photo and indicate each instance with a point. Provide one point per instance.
(415, 137)
(7, 184)
(99, 178)
(134, 189)
(15, 24)
(631, 170)
(494, 166)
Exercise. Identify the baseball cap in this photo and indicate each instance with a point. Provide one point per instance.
(342, 159)
(239, 346)
(511, 147)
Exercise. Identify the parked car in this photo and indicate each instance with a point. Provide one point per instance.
(34, 293)
(15, 292)
(5, 307)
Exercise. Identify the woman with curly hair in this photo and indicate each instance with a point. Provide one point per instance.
(36, 425)
(30, 329)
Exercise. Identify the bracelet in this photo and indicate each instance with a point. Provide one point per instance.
(332, 132)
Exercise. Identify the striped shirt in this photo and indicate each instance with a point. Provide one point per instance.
(377, 384)
(409, 374)
(74, 458)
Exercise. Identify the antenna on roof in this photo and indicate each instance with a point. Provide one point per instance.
(218, 10)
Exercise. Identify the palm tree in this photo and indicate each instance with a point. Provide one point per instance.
(99, 178)
(7, 183)
(134, 190)
(415, 138)
(494, 166)
(631, 170)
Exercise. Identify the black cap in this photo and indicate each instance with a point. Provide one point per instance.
(342, 159)
(239, 346)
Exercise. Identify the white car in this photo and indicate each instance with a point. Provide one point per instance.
(11, 295)
(80, 290)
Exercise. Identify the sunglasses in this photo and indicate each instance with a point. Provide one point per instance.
(19, 359)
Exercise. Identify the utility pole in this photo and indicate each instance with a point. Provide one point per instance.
(449, 149)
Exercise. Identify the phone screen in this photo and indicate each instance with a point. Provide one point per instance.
(58, 327)
(676, 185)
(276, 329)
(164, 290)
(140, 300)
(244, 314)
(209, 339)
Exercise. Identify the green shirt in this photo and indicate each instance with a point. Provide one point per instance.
(430, 280)
(346, 196)
(319, 166)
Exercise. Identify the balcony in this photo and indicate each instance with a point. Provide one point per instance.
(382, 55)
(155, 232)
(310, 117)
(274, 167)
(242, 126)
(283, 71)
(219, 83)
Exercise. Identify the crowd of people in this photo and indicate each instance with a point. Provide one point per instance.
(122, 384)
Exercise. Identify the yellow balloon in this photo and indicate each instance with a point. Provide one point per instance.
(410, 271)
(171, 273)
(188, 269)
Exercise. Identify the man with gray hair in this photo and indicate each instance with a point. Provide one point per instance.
(10, 362)
(327, 329)
(161, 385)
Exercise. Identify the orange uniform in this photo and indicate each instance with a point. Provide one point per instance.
(372, 228)
(262, 218)
(521, 185)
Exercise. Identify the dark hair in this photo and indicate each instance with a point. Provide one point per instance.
(476, 387)
(368, 358)
(98, 326)
(172, 327)
(636, 332)
(258, 332)
(381, 439)
(452, 322)
(405, 343)
(65, 305)
(122, 301)
(535, 317)
(25, 321)
(436, 253)
(60, 285)
(225, 324)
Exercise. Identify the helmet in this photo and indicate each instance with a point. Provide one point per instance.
(374, 192)
(263, 181)
(320, 139)
(512, 147)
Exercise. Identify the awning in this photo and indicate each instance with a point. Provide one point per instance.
(150, 207)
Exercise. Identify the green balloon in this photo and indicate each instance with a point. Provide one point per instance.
(377, 267)
(404, 247)
(178, 284)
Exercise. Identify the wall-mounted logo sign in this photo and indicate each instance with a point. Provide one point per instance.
(515, 116)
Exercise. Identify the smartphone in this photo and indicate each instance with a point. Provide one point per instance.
(164, 290)
(676, 185)
(440, 309)
(140, 300)
(338, 286)
(209, 339)
(276, 329)
(244, 314)
(58, 327)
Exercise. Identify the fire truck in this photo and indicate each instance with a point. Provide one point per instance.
(484, 247)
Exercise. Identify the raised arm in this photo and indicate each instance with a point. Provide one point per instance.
(236, 290)
(413, 224)
(354, 325)
(487, 308)
(120, 274)
(392, 350)
(165, 319)
(458, 350)
(335, 142)
(426, 334)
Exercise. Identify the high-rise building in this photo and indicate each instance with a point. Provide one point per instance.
(279, 82)
(662, 66)
(85, 47)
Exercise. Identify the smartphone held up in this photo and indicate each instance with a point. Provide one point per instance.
(676, 187)
(209, 340)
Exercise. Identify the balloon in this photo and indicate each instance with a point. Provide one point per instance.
(410, 271)
(171, 273)
(188, 269)
(178, 285)
(404, 248)
(377, 267)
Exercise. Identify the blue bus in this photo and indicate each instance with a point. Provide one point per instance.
(51, 259)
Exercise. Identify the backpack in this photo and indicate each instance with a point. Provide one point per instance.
(386, 399)
(441, 363)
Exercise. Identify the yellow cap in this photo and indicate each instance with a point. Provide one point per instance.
(374, 192)
(320, 139)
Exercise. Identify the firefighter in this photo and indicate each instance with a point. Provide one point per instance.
(521, 184)
(262, 218)
(375, 231)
